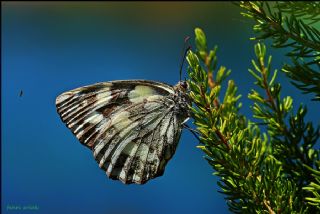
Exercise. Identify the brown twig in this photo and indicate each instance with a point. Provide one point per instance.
(212, 84)
(217, 131)
(268, 207)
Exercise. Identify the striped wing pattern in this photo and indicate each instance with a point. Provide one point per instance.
(131, 126)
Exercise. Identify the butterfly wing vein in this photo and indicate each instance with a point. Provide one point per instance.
(130, 126)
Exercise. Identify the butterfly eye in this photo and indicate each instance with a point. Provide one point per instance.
(184, 84)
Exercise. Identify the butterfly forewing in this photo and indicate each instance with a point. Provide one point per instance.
(131, 126)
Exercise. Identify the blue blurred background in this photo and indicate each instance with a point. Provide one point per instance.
(51, 47)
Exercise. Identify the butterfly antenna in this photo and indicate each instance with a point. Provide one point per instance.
(184, 55)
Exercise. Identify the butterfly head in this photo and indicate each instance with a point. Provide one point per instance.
(181, 86)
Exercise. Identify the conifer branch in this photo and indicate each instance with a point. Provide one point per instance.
(292, 145)
(290, 25)
(251, 177)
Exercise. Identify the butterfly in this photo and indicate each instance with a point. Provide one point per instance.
(133, 127)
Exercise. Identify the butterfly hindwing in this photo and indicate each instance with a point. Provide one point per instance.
(136, 146)
(130, 125)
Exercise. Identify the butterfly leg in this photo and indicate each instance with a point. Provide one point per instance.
(193, 131)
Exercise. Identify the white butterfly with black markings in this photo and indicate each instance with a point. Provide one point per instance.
(132, 126)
